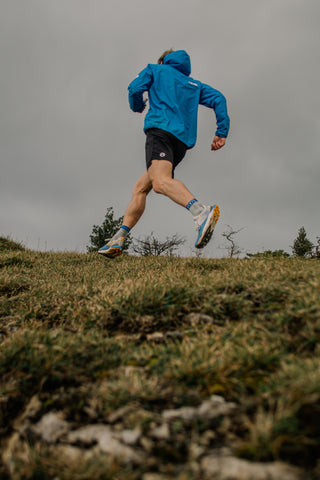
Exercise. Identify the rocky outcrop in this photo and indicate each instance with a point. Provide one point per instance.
(172, 435)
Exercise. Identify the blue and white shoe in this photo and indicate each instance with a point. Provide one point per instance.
(205, 223)
(113, 248)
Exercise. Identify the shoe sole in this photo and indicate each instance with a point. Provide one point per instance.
(111, 253)
(209, 227)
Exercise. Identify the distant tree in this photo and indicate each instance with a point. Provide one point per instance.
(151, 245)
(302, 247)
(100, 233)
(232, 248)
(269, 254)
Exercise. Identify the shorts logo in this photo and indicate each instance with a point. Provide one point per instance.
(162, 154)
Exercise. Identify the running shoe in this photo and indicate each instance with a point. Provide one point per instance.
(113, 248)
(205, 223)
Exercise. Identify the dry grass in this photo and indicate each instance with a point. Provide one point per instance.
(74, 330)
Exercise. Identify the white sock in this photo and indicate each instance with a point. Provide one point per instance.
(121, 233)
(195, 207)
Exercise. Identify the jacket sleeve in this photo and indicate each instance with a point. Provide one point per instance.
(212, 98)
(136, 88)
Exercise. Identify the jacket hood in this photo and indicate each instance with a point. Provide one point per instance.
(179, 60)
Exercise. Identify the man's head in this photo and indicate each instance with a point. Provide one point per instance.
(178, 59)
(160, 60)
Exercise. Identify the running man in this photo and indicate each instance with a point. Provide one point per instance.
(171, 129)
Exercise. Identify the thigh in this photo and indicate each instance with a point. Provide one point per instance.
(160, 169)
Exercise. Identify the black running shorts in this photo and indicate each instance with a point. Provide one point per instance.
(162, 145)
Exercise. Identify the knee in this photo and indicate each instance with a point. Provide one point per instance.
(140, 189)
(158, 185)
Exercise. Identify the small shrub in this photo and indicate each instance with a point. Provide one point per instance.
(7, 244)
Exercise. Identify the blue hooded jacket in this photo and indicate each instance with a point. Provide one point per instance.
(174, 98)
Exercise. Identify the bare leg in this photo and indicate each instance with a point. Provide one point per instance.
(160, 174)
(158, 177)
(137, 205)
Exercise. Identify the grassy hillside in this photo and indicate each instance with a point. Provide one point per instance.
(85, 336)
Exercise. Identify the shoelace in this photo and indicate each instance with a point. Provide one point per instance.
(199, 219)
(113, 241)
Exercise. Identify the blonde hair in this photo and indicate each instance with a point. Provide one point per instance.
(160, 60)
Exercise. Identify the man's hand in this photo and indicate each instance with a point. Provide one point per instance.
(217, 143)
(145, 104)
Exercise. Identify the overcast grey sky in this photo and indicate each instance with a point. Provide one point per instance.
(70, 147)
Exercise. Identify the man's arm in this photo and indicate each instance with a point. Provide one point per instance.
(212, 98)
(137, 87)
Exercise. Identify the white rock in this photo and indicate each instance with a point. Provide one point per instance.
(51, 427)
(198, 318)
(217, 399)
(231, 468)
(187, 414)
(107, 442)
(214, 407)
(89, 434)
(161, 433)
(130, 437)
(155, 337)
